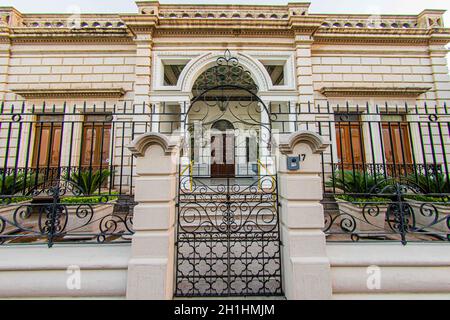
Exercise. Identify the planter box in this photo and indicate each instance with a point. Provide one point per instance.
(364, 221)
(425, 217)
(88, 218)
(79, 224)
(7, 213)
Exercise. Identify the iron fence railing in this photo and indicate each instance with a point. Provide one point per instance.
(66, 173)
(385, 173)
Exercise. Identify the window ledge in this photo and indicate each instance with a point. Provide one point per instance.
(410, 92)
(70, 93)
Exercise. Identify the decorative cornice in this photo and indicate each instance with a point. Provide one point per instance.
(291, 20)
(223, 31)
(382, 36)
(140, 23)
(70, 93)
(139, 146)
(71, 35)
(411, 92)
(315, 141)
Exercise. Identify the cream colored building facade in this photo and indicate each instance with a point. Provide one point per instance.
(318, 58)
(152, 61)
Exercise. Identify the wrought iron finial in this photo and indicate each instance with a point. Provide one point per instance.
(227, 59)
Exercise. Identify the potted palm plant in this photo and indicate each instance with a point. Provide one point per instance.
(358, 204)
(15, 212)
(89, 206)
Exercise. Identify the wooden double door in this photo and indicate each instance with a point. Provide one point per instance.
(396, 145)
(222, 150)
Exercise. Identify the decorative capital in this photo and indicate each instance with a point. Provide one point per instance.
(315, 141)
(140, 145)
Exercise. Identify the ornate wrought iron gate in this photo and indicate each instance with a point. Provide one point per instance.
(228, 239)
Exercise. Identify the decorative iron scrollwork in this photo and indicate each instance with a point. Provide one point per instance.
(226, 72)
(46, 217)
(397, 217)
(228, 240)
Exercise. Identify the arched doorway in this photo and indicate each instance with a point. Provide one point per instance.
(222, 149)
(228, 241)
(227, 94)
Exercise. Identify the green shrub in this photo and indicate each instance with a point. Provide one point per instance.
(357, 182)
(361, 202)
(88, 182)
(89, 200)
(436, 200)
(433, 183)
(12, 185)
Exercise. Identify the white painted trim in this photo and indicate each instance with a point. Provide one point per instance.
(40, 272)
(198, 62)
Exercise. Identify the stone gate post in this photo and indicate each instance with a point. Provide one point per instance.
(306, 266)
(150, 270)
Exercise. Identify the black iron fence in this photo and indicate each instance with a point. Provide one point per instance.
(66, 174)
(385, 174)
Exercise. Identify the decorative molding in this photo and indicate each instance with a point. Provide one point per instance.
(410, 92)
(197, 66)
(70, 93)
(315, 141)
(139, 146)
(204, 31)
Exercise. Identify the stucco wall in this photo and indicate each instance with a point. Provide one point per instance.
(373, 66)
(39, 272)
(71, 66)
(415, 271)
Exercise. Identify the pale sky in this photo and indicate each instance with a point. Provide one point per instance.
(317, 6)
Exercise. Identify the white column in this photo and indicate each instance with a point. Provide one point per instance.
(4, 66)
(144, 44)
(305, 83)
(142, 83)
(441, 76)
(151, 267)
(306, 267)
(305, 86)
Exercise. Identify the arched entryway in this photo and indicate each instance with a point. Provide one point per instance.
(227, 94)
(228, 241)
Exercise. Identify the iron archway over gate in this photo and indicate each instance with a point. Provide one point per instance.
(228, 237)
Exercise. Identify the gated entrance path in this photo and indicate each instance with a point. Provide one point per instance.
(228, 241)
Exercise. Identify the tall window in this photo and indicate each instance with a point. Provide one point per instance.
(96, 141)
(350, 145)
(396, 140)
(47, 141)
